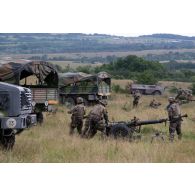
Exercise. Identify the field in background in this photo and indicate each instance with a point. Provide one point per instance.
(101, 54)
(52, 143)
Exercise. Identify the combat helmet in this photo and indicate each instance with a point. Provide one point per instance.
(80, 100)
(171, 99)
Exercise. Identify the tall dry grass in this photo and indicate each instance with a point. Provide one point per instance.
(51, 141)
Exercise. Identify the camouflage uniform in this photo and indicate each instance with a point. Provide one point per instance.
(97, 118)
(136, 97)
(154, 104)
(174, 114)
(184, 96)
(78, 113)
(86, 126)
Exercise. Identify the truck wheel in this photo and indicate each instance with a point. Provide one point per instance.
(69, 102)
(40, 117)
(7, 141)
(119, 130)
(156, 93)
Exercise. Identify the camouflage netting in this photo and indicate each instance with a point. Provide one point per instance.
(71, 78)
(13, 72)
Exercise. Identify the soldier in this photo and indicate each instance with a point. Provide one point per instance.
(98, 117)
(189, 95)
(78, 113)
(154, 104)
(174, 115)
(136, 98)
(86, 126)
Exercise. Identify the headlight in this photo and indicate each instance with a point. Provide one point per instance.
(46, 103)
(33, 103)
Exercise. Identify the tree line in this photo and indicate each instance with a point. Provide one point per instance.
(139, 69)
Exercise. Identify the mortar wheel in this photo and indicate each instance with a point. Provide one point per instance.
(119, 131)
(7, 141)
(40, 117)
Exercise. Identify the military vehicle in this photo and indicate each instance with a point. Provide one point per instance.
(146, 89)
(39, 76)
(90, 87)
(15, 112)
(127, 129)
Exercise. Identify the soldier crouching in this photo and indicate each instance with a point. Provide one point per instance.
(78, 113)
(174, 114)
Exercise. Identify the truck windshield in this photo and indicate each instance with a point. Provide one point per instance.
(104, 86)
(4, 103)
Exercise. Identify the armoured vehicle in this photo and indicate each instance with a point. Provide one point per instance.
(39, 76)
(90, 87)
(147, 89)
(15, 112)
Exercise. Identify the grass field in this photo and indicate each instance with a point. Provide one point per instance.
(52, 143)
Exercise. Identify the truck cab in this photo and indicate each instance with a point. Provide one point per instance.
(15, 112)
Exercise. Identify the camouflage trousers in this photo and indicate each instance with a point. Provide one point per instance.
(175, 126)
(92, 124)
(76, 123)
(86, 127)
(135, 103)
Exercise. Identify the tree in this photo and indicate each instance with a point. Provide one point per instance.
(147, 77)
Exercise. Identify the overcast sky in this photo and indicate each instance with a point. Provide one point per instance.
(116, 17)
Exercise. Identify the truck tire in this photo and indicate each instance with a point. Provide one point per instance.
(7, 141)
(119, 130)
(156, 93)
(40, 117)
(69, 102)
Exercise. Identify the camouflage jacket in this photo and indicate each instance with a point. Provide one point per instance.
(173, 110)
(136, 95)
(100, 111)
(78, 111)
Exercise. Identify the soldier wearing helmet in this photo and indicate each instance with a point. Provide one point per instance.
(136, 98)
(154, 104)
(77, 117)
(174, 114)
(97, 119)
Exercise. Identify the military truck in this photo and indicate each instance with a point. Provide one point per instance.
(90, 87)
(39, 76)
(15, 113)
(146, 89)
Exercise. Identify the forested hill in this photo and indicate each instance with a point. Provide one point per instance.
(168, 36)
(36, 43)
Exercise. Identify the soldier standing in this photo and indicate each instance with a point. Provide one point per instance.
(136, 98)
(78, 113)
(174, 115)
(97, 119)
